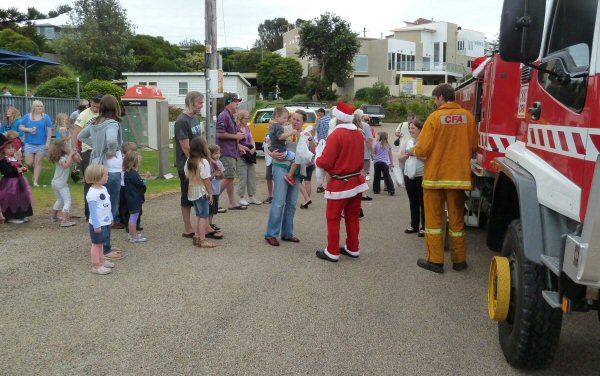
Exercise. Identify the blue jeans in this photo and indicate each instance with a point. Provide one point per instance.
(113, 186)
(283, 207)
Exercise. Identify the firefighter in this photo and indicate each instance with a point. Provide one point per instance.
(448, 140)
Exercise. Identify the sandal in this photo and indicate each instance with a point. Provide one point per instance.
(203, 243)
(240, 207)
(214, 235)
(114, 256)
(305, 206)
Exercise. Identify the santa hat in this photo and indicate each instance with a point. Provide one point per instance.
(344, 112)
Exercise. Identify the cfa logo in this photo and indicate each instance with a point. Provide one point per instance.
(454, 119)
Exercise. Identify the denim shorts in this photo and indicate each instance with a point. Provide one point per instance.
(103, 237)
(201, 206)
(35, 149)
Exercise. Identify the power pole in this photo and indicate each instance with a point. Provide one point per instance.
(364, 32)
(212, 58)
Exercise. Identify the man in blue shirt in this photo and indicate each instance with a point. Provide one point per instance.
(322, 133)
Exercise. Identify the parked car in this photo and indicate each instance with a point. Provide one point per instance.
(259, 124)
(375, 112)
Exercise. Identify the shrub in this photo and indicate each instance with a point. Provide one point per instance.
(58, 87)
(379, 93)
(102, 87)
(48, 72)
(174, 112)
(395, 111)
(300, 98)
(362, 94)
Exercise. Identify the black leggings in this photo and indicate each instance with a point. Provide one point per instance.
(382, 168)
(414, 190)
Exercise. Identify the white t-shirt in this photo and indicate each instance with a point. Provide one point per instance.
(100, 198)
(115, 164)
(195, 191)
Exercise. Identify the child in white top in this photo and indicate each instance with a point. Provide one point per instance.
(60, 155)
(197, 170)
(100, 220)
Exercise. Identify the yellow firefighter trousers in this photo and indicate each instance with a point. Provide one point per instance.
(434, 200)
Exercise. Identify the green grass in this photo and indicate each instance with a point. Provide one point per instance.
(43, 197)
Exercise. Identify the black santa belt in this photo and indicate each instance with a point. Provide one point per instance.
(346, 176)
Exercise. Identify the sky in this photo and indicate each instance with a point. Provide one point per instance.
(237, 21)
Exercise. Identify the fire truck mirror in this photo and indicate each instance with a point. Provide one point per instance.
(521, 29)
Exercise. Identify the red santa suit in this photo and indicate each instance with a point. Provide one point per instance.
(342, 156)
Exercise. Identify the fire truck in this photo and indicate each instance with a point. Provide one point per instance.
(537, 172)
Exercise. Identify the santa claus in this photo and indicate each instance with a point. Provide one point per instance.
(342, 159)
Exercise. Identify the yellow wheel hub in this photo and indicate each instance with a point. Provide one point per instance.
(499, 288)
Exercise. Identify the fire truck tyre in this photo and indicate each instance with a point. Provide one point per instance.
(529, 336)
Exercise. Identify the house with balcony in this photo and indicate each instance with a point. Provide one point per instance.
(49, 31)
(414, 58)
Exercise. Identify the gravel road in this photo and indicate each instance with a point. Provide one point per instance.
(247, 308)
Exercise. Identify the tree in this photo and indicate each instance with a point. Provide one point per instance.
(14, 15)
(15, 42)
(242, 61)
(330, 41)
(286, 72)
(270, 33)
(96, 45)
(154, 54)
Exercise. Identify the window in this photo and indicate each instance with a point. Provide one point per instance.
(436, 52)
(152, 83)
(568, 52)
(143, 83)
(183, 88)
(361, 63)
(461, 45)
(444, 52)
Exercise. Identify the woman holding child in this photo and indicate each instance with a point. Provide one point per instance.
(285, 194)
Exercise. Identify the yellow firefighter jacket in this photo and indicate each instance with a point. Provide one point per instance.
(448, 139)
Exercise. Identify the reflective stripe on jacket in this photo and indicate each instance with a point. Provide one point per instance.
(448, 140)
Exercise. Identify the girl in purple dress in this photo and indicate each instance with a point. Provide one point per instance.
(15, 192)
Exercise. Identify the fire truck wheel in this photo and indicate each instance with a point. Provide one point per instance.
(529, 336)
(499, 289)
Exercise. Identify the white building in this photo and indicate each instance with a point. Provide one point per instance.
(176, 85)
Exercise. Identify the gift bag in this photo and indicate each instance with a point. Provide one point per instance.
(319, 172)
(398, 175)
(268, 158)
(303, 154)
(411, 167)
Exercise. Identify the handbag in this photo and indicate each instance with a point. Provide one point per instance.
(249, 158)
(397, 142)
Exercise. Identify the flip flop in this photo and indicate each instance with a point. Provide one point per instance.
(188, 235)
(239, 208)
(214, 235)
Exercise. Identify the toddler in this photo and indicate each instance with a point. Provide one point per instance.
(277, 137)
(15, 192)
(100, 217)
(134, 190)
(60, 155)
(216, 174)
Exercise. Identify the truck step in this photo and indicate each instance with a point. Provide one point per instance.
(553, 263)
(552, 298)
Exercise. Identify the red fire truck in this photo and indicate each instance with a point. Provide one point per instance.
(537, 171)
